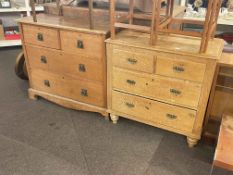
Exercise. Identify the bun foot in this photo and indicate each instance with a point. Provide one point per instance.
(114, 118)
(192, 142)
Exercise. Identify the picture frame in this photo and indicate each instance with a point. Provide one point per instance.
(5, 4)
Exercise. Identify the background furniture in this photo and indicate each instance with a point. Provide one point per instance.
(221, 96)
(18, 9)
(223, 155)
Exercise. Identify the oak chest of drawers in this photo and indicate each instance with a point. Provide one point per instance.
(66, 61)
(166, 86)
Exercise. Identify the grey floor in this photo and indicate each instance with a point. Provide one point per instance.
(41, 138)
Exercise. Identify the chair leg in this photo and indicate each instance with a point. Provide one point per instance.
(131, 11)
(112, 18)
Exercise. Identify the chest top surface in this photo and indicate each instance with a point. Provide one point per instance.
(182, 45)
(82, 24)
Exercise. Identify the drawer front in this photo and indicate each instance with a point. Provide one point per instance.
(59, 62)
(83, 91)
(153, 111)
(157, 87)
(80, 43)
(81, 66)
(39, 57)
(182, 69)
(41, 36)
(129, 60)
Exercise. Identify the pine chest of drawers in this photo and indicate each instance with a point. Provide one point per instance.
(165, 86)
(66, 61)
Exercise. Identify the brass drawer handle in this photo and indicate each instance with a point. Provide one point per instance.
(40, 37)
(84, 92)
(178, 68)
(171, 116)
(175, 91)
(43, 59)
(82, 68)
(130, 105)
(80, 44)
(131, 82)
(47, 83)
(132, 61)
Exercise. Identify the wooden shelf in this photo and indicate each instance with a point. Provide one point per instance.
(21, 9)
(7, 43)
(27, 9)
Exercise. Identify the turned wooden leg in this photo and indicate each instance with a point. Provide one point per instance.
(114, 118)
(32, 95)
(192, 142)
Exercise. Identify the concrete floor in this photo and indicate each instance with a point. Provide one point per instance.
(41, 138)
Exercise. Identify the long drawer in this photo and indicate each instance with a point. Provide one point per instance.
(84, 91)
(81, 43)
(42, 36)
(153, 111)
(133, 61)
(63, 63)
(157, 87)
(180, 68)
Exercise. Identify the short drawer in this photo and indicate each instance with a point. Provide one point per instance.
(157, 87)
(41, 36)
(81, 43)
(63, 63)
(180, 68)
(65, 86)
(133, 61)
(153, 111)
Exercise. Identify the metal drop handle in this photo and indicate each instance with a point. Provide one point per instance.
(47, 83)
(131, 82)
(178, 69)
(82, 68)
(130, 105)
(132, 61)
(175, 91)
(171, 116)
(80, 44)
(43, 59)
(84, 92)
(40, 37)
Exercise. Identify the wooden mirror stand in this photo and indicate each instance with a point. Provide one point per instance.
(163, 23)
